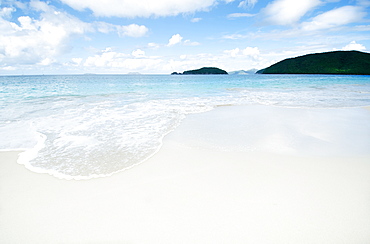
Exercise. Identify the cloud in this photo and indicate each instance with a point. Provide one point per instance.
(6, 12)
(365, 3)
(153, 45)
(37, 41)
(239, 15)
(223, 60)
(235, 36)
(109, 59)
(132, 30)
(142, 8)
(252, 52)
(190, 43)
(175, 39)
(195, 20)
(40, 40)
(77, 61)
(362, 28)
(247, 4)
(287, 12)
(334, 18)
(354, 46)
(233, 52)
(138, 53)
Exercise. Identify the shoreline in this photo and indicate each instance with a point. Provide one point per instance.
(67, 177)
(195, 189)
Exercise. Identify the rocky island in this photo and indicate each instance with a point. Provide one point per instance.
(337, 62)
(203, 71)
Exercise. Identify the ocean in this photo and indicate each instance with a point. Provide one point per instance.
(88, 126)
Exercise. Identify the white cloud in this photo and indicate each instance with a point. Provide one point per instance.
(175, 39)
(112, 60)
(247, 3)
(37, 41)
(104, 27)
(39, 6)
(195, 20)
(239, 15)
(6, 12)
(334, 18)
(190, 43)
(354, 46)
(287, 12)
(77, 61)
(234, 36)
(46, 61)
(222, 60)
(141, 8)
(42, 39)
(153, 45)
(233, 52)
(107, 58)
(252, 52)
(132, 30)
(362, 28)
(365, 3)
(188, 62)
(138, 53)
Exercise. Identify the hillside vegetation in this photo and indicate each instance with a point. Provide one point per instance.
(203, 71)
(337, 62)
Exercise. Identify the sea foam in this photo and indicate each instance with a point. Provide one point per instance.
(80, 127)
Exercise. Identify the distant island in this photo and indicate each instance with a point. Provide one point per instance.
(203, 71)
(337, 62)
(243, 72)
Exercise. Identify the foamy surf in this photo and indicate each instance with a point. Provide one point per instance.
(82, 127)
(102, 140)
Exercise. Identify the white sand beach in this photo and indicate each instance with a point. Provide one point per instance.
(245, 174)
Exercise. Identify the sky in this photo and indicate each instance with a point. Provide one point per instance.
(163, 36)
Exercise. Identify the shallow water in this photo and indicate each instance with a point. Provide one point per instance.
(84, 126)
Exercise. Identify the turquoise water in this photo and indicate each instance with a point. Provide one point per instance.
(84, 126)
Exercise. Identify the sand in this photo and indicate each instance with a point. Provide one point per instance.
(195, 191)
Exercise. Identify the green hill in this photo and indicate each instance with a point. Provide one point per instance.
(203, 71)
(338, 62)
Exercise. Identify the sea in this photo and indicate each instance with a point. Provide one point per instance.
(89, 126)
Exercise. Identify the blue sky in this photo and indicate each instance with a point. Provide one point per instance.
(162, 36)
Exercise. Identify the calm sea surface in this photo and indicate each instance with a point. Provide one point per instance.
(85, 126)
